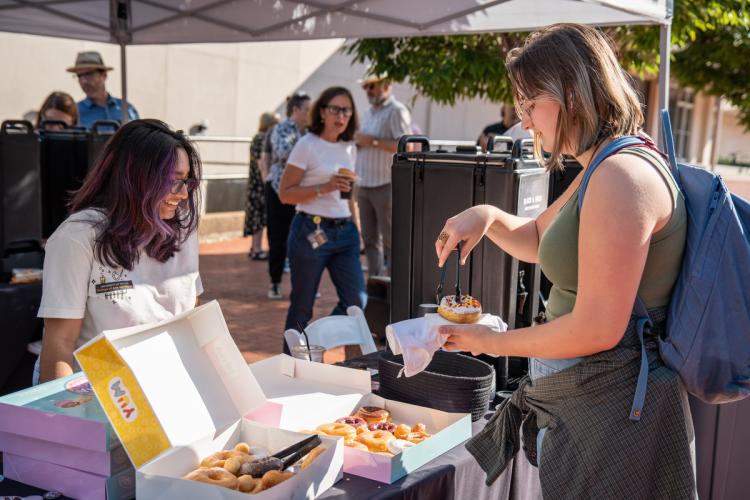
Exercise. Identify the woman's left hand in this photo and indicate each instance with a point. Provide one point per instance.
(473, 338)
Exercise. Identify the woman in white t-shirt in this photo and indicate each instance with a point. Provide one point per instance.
(128, 254)
(323, 235)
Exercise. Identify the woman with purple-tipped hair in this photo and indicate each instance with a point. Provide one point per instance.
(128, 254)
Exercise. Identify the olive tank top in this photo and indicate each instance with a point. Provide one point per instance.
(558, 250)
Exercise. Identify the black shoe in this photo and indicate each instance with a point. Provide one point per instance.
(259, 255)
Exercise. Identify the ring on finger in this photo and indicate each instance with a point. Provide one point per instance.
(443, 237)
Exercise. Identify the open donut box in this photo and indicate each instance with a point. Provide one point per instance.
(176, 392)
(303, 395)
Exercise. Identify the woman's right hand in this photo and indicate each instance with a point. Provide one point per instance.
(469, 226)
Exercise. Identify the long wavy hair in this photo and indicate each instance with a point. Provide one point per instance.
(129, 181)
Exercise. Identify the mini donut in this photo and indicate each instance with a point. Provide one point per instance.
(338, 429)
(232, 464)
(243, 447)
(417, 437)
(351, 443)
(355, 422)
(219, 458)
(248, 484)
(401, 431)
(376, 440)
(315, 453)
(419, 427)
(382, 426)
(214, 475)
(373, 414)
(274, 477)
(466, 310)
(396, 446)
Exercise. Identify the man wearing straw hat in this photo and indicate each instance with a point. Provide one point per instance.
(91, 73)
(381, 126)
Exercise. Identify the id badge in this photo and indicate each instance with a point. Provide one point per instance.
(318, 237)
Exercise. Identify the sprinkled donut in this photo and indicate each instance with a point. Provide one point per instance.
(355, 422)
(383, 426)
(466, 310)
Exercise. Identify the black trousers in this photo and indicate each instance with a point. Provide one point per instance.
(279, 219)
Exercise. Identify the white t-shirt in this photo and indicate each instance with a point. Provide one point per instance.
(321, 159)
(76, 285)
(518, 132)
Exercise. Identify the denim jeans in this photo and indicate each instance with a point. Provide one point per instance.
(340, 255)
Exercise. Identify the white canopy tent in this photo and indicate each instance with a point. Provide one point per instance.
(195, 21)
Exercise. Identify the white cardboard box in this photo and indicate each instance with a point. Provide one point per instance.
(175, 392)
(302, 395)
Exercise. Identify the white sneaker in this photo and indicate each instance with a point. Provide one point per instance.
(274, 293)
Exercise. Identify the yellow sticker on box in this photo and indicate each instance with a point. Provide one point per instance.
(123, 401)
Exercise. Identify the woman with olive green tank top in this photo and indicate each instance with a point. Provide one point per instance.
(558, 258)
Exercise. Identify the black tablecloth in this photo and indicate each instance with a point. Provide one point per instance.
(453, 475)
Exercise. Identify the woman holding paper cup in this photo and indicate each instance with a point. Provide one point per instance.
(319, 170)
(596, 429)
(128, 254)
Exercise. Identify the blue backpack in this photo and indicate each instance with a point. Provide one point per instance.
(707, 338)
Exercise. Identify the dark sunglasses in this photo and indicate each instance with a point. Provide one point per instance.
(190, 184)
(338, 110)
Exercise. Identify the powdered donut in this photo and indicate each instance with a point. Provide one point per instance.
(398, 445)
(214, 475)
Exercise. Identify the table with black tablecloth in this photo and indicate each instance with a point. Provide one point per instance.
(453, 475)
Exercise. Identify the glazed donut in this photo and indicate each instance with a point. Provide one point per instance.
(376, 440)
(466, 310)
(419, 427)
(398, 445)
(355, 422)
(351, 443)
(274, 477)
(248, 484)
(373, 414)
(338, 429)
(311, 456)
(401, 431)
(220, 457)
(214, 475)
(383, 426)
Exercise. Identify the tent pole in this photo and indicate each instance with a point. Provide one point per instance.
(665, 35)
(124, 83)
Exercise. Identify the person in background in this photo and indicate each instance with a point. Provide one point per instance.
(91, 73)
(509, 119)
(128, 254)
(579, 410)
(279, 215)
(323, 235)
(382, 125)
(59, 107)
(255, 205)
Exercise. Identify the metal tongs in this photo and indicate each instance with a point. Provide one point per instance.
(439, 291)
(281, 460)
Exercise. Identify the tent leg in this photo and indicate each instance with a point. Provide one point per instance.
(124, 82)
(665, 36)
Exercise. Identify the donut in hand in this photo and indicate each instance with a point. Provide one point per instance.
(466, 310)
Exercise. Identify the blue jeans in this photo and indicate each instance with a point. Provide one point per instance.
(340, 255)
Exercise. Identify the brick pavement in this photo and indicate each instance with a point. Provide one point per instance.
(240, 285)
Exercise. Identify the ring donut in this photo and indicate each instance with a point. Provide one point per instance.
(338, 429)
(248, 484)
(351, 443)
(216, 476)
(355, 422)
(376, 440)
(416, 437)
(383, 426)
(219, 458)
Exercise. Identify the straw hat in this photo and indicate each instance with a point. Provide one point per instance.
(87, 61)
(373, 78)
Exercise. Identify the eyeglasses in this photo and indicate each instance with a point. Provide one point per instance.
(338, 110)
(190, 184)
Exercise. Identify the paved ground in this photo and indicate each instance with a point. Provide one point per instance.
(240, 285)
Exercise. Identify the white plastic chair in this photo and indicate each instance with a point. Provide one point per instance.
(335, 331)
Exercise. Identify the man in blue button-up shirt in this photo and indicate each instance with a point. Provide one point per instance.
(99, 104)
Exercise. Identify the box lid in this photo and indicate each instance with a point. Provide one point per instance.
(167, 384)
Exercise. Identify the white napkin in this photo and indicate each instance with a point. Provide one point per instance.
(418, 339)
